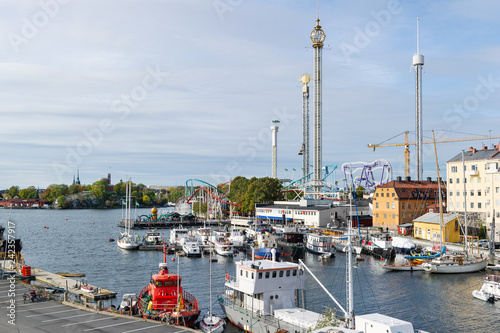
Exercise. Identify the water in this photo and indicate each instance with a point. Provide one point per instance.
(78, 241)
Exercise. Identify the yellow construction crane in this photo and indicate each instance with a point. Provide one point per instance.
(444, 140)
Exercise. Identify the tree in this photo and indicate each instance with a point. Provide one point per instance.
(100, 189)
(13, 191)
(28, 193)
(74, 189)
(61, 201)
(256, 190)
(146, 200)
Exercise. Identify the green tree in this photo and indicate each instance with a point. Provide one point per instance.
(13, 191)
(100, 190)
(146, 200)
(61, 201)
(28, 193)
(74, 189)
(247, 193)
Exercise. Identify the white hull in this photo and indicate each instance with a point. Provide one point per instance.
(453, 266)
(128, 242)
(406, 268)
(224, 250)
(490, 291)
(212, 324)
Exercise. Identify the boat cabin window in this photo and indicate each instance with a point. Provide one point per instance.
(253, 277)
(246, 274)
(241, 272)
(260, 275)
(159, 284)
(274, 274)
(281, 273)
(267, 275)
(287, 272)
(294, 272)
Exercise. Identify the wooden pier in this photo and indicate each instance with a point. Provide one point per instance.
(145, 224)
(68, 284)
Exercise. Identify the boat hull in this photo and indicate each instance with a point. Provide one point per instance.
(455, 268)
(212, 324)
(407, 268)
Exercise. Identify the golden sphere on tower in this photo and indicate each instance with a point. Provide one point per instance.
(154, 210)
(318, 35)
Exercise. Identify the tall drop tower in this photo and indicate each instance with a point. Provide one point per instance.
(305, 79)
(274, 130)
(317, 37)
(418, 62)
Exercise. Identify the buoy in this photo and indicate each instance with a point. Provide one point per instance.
(66, 219)
(173, 259)
(382, 259)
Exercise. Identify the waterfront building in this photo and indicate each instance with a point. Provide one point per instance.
(312, 213)
(402, 201)
(428, 227)
(474, 180)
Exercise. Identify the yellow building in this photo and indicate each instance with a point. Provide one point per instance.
(401, 201)
(428, 227)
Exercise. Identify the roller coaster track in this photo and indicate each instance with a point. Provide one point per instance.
(213, 195)
(190, 189)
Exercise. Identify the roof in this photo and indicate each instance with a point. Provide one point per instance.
(414, 189)
(480, 154)
(435, 218)
(299, 208)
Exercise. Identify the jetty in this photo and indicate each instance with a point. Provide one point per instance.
(69, 284)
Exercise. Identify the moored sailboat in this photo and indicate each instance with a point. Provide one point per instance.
(125, 240)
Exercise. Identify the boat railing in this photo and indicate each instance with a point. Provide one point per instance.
(257, 315)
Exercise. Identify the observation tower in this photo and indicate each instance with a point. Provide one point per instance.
(418, 62)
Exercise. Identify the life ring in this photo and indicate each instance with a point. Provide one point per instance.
(227, 277)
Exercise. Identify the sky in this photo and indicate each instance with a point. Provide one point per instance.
(166, 91)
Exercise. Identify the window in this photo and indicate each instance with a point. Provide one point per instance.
(473, 167)
(458, 180)
(376, 194)
(246, 274)
(294, 272)
(478, 180)
(281, 273)
(381, 194)
(376, 205)
(478, 193)
(409, 205)
(260, 275)
(478, 205)
(385, 216)
(497, 189)
(458, 193)
(387, 205)
(393, 205)
(451, 181)
(471, 205)
(241, 272)
(287, 272)
(376, 214)
(453, 169)
(393, 195)
(267, 275)
(497, 202)
(458, 205)
(451, 193)
(393, 216)
(471, 193)
(274, 274)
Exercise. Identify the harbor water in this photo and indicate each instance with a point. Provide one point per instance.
(77, 241)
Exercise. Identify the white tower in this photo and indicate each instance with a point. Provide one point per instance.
(418, 62)
(304, 151)
(317, 37)
(274, 130)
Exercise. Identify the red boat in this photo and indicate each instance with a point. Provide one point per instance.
(163, 299)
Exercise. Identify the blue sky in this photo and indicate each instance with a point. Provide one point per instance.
(165, 91)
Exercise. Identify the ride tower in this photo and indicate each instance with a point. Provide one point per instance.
(274, 135)
(304, 150)
(317, 37)
(418, 62)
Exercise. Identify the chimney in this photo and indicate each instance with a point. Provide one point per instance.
(429, 179)
(485, 147)
(408, 179)
(398, 178)
(473, 150)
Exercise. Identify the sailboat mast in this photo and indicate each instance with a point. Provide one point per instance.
(466, 238)
(439, 192)
(350, 294)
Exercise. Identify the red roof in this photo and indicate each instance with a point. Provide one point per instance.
(414, 189)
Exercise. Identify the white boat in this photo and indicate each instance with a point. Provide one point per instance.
(176, 235)
(153, 237)
(125, 240)
(191, 247)
(490, 291)
(455, 263)
(403, 244)
(223, 246)
(319, 244)
(494, 268)
(409, 265)
(211, 323)
(379, 245)
(129, 302)
(265, 291)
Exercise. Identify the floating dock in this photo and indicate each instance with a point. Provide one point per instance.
(54, 280)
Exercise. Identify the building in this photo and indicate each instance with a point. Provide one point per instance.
(401, 201)
(313, 213)
(24, 203)
(474, 181)
(428, 227)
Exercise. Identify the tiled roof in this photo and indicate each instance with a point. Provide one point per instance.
(415, 189)
(480, 154)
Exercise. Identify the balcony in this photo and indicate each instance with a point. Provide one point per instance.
(472, 173)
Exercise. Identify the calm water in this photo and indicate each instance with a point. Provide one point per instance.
(78, 241)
